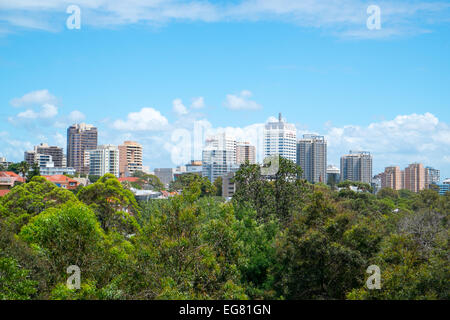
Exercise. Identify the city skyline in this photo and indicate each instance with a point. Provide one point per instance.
(385, 91)
(257, 131)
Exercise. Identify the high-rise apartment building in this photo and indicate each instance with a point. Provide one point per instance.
(312, 158)
(219, 157)
(357, 166)
(392, 177)
(280, 138)
(80, 138)
(415, 177)
(432, 176)
(104, 159)
(245, 152)
(43, 150)
(130, 158)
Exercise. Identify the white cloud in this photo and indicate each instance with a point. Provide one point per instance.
(198, 103)
(341, 17)
(60, 139)
(76, 116)
(147, 119)
(47, 111)
(241, 101)
(403, 140)
(179, 108)
(38, 97)
(13, 148)
(28, 114)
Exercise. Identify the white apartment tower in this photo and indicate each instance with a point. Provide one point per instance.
(104, 159)
(280, 138)
(219, 157)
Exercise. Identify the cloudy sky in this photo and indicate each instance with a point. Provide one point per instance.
(167, 73)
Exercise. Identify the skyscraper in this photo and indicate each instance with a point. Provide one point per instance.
(80, 138)
(357, 166)
(245, 152)
(280, 138)
(312, 158)
(415, 177)
(392, 178)
(104, 159)
(219, 157)
(130, 158)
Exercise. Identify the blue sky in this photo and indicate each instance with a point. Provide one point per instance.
(150, 70)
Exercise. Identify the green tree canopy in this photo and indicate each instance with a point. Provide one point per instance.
(114, 205)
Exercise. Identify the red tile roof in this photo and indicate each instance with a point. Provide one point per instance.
(62, 180)
(59, 178)
(9, 174)
(4, 192)
(130, 179)
(13, 175)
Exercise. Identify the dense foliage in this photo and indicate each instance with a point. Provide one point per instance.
(278, 238)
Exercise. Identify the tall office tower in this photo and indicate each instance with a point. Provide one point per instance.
(312, 158)
(80, 138)
(392, 178)
(432, 176)
(357, 166)
(245, 152)
(43, 150)
(333, 175)
(104, 159)
(280, 138)
(219, 157)
(130, 161)
(415, 177)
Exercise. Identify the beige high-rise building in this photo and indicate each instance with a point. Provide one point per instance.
(415, 177)
(392, 178)
(130, 158)
(245, 152)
